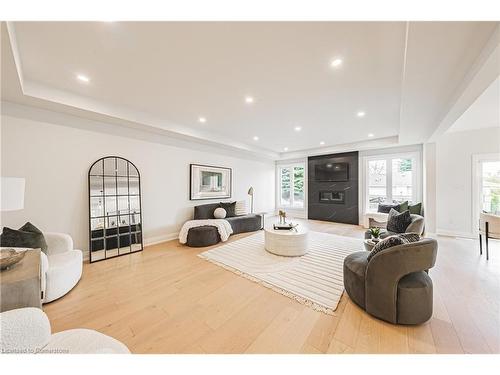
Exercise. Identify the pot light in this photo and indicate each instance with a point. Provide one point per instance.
(83, 78)
(321, 143)
(336, 63)
(285, 148)
(249, 99)
(371, 135)
(255, 138)
(297, 128)
(361, 114)
(202, 120)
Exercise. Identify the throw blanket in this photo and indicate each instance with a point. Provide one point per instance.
(223, 227)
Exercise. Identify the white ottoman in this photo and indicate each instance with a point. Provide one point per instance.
(289, 243)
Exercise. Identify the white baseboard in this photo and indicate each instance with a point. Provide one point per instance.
(147, 242)
(451, 233)
(159, 239)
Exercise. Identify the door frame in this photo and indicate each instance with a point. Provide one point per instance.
(477, 185)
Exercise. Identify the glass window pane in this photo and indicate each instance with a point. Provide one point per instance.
(96, 207)
(110, 185)
(111, 206)
(134, 186)
(377, 183)
(121, 169)
(135, 205)
(110, 166)
(402, 180)
(122, 183)
(298, 187)
(490, 192)
(96, 186)
(285, 178)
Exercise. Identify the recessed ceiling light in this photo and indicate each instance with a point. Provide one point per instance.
(336, 63)
(297, 128)
(371, 135)
(361, 114)
(255, 138)
(249, 99)
(83, 78)
(285, 148)
(202, 120)
(321, 143)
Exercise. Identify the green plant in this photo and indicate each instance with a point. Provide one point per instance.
(375, 232)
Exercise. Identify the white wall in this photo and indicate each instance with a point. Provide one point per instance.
(55, 160)
(454, 177)
(429, 183)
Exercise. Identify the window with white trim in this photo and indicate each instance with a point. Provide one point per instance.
(391, 179)
(291, 181)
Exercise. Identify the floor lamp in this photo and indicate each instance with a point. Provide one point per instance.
(250, 192)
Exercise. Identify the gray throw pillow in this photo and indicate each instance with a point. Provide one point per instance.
(386, 208)
(230, 208)
(398, 222)
(27, 236)
(388, 242)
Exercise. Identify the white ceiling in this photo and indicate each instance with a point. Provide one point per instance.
(165, 75)
(483, 113)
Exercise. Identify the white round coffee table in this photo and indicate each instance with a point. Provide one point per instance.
(289, 243)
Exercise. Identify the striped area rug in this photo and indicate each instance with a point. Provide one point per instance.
(315, 279)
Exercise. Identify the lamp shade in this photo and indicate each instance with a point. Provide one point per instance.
(12, 193)
(250, 191)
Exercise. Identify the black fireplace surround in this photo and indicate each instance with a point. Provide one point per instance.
(333, 187)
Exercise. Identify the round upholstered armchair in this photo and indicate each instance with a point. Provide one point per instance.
(489, 227)
(394, 284)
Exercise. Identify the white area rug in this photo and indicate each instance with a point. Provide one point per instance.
(315, 279)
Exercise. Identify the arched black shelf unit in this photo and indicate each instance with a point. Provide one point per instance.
(115, 214)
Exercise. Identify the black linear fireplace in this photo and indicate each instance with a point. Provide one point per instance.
(333, 187)
(330, 196)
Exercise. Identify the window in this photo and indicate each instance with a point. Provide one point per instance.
(291, 186)
(486, 171)
(390, 178)
(490, 187)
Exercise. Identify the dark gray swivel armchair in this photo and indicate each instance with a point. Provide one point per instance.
(394, 284)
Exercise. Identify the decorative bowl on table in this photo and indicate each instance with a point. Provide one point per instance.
(9, 257)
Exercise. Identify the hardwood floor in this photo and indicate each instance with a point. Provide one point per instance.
(167, 300)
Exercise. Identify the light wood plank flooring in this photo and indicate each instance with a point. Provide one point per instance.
(167, 300)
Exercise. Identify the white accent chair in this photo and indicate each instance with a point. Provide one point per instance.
(489, 226)
(61, 266)
(27, 331)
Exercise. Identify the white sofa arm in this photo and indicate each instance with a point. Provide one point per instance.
(25, 330)
(58, 242)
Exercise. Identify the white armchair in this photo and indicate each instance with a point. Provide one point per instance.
(27, 330)
(61, 266)
(489, 226)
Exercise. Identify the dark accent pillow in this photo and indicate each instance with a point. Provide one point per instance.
(409, 237)
(386, 208)
(27, 236)
(385, 244)
(397, 239)
(230, 208)
(415, 209)
(205, 211)
(398, 222)
(403, 206)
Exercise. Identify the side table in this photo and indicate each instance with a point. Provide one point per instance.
(20, 284)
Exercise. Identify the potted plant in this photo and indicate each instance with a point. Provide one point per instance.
(375, 233)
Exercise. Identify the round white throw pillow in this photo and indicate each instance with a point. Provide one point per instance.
(220, 213)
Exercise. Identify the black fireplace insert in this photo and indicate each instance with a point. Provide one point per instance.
(329, 196)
